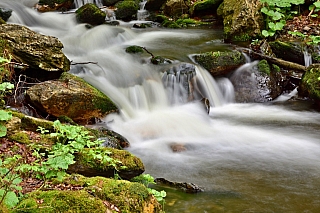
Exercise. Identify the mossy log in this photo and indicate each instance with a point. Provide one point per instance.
(281, 63)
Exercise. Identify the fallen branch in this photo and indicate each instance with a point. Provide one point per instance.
(281, 63)
(152, 56)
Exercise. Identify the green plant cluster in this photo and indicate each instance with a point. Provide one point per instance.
(308, 39)
(277, 12)
(4, 115)
(315, 7)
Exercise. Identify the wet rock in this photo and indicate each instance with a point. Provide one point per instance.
(242, 19)
(40, 52)
(127, 165)
(186, 187)
(72, 97)
(5, 13)
(91, 14)
(220, 63)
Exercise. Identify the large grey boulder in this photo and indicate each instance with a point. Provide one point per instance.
(242, 19)
(40, 52)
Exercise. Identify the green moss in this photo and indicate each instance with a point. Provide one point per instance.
(134, 49)
(91, 14)
(264, 67)
(61, 201)
(32, 124)
(275, 68)
(2, 21)
(242, 37)
(310, 82)
(20, 137)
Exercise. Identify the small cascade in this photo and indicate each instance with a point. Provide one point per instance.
(142, 13)
(79, 3)
(307, 57)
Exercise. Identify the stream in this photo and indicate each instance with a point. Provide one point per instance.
(248, 157)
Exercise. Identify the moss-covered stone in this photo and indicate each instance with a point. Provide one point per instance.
(61, 201)
(5, 14)
(289, 51)
(220, 63)
(134, 49)
(310, 83)
(126, 10)
(201, 8)
(128, 196)
(121, 162)
(91, 14)
(2, 21)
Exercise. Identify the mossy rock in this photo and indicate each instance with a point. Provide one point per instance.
(242, 19)
(289, 51)
(124, 163)
(110, 2)
(126, 10)
(134, 49)
(310, 83)
(202, 8)
(2, 21)
(130, 197)
(220, 63)
(91, 14)
(61, 201)
(70, 96)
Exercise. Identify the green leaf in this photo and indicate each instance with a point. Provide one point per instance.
(11, 199)
(317, 4)
(5, 116)
(3, 131)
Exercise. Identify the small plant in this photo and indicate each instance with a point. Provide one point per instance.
(4, 115)
(146, 180)
(9, 181)
(54, 163)
(277, 12)
(315, 7)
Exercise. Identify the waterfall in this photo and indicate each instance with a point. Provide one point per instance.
(248, 157)
(307, 57)
(142, 13)
(79, 3)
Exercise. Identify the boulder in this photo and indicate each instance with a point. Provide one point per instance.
(124, 163)
(310, 83)
(40, 52)
(186, 187)
(126, 10)
(220, 63)
(289, 51)
(242, 19)
(91, 14)
(72, 97)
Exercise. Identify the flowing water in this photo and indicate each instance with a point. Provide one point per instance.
(248, 157)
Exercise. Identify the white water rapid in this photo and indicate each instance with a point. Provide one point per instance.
(248, 157)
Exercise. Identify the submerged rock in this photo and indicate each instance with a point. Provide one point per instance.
(72, 97)
(186, 187)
